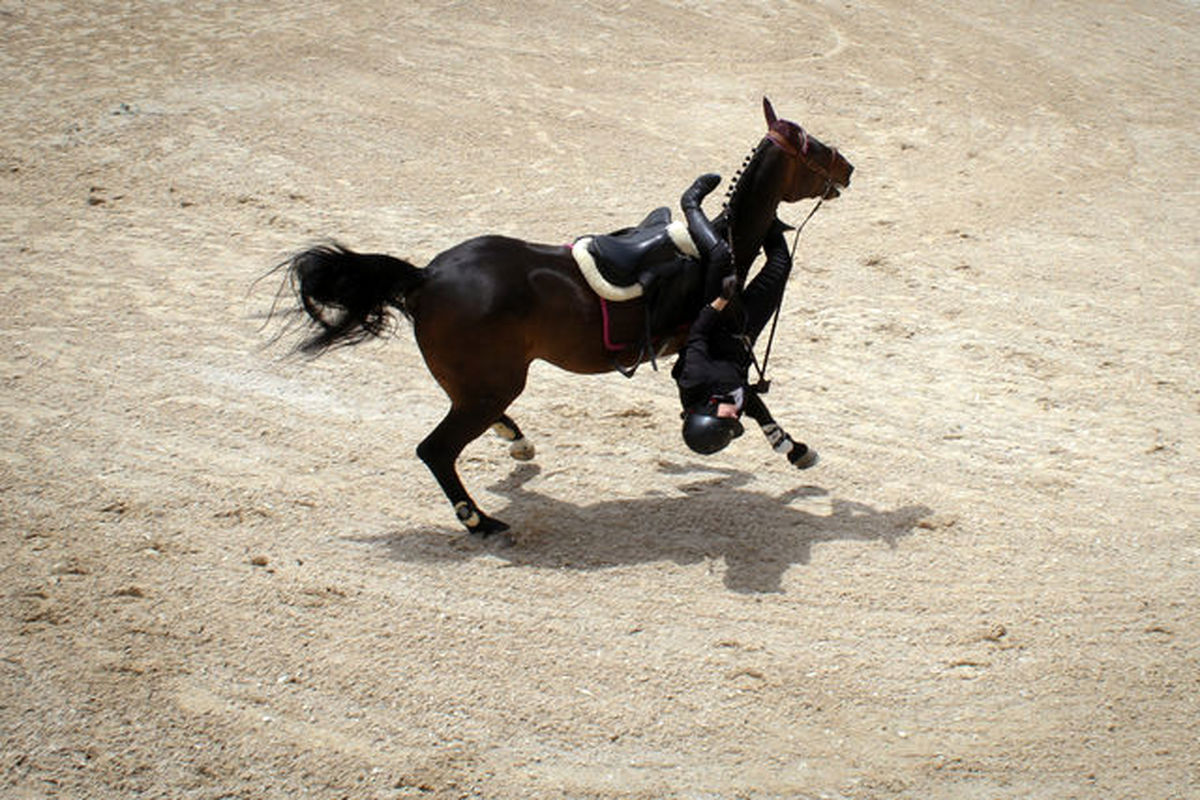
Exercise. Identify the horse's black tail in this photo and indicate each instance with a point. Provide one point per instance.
(349, 296)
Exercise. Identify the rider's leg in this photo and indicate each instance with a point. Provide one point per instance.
(714, 251)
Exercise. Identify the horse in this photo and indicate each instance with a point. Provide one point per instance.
(483, 310)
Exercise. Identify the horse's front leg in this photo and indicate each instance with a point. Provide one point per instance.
(799, 454)
(440, 450)
(519, 447)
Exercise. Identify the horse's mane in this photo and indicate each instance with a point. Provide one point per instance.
(739, 202)
(749, 165)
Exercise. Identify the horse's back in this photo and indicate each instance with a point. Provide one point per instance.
(499, 276)
(494, 258)
(512, 299)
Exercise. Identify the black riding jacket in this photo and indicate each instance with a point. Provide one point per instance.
(713, 362)
(716, 358)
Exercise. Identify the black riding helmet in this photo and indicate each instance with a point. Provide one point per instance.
(706, 433)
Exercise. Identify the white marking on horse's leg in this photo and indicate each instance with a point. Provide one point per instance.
(504, 432)
(521, 448)
(466, 514)
(780, 441)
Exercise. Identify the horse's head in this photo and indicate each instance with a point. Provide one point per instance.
(813, 169)
(786, 166)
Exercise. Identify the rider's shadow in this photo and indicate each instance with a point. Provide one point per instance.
(759, 536)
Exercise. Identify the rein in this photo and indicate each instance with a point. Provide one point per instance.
(762, 386)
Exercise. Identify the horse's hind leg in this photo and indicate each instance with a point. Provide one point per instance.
(519, 448)
(441, 448)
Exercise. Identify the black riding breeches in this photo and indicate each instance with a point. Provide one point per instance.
(763, 294)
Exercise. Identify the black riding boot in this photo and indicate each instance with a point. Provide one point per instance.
(714, 251)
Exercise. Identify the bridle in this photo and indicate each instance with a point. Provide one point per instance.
(801, 153)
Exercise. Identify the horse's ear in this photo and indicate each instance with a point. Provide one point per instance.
(769, 112)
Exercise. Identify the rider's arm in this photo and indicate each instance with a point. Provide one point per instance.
(699, 332)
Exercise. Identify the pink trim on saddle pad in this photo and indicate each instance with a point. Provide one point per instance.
(608, 344)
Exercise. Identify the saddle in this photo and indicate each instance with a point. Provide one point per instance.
(626, 263)
(636, 262)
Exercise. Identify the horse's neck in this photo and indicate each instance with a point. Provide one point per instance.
(748, 241)
(752, 207)
(749, 227)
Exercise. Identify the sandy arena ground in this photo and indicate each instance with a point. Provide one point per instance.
(224, 574)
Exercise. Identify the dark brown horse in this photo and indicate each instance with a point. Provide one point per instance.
(483, 310)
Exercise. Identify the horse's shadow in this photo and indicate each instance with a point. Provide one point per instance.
(759, 536)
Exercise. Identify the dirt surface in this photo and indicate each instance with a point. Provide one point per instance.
(223, 572)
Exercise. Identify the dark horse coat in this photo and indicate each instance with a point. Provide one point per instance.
(483, 310)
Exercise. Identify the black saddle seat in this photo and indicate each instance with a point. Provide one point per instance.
(641, 254)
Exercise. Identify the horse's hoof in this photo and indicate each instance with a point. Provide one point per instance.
(489, 527)
(477, 522)
(492, 531)
(803, 457)
(522, 449)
